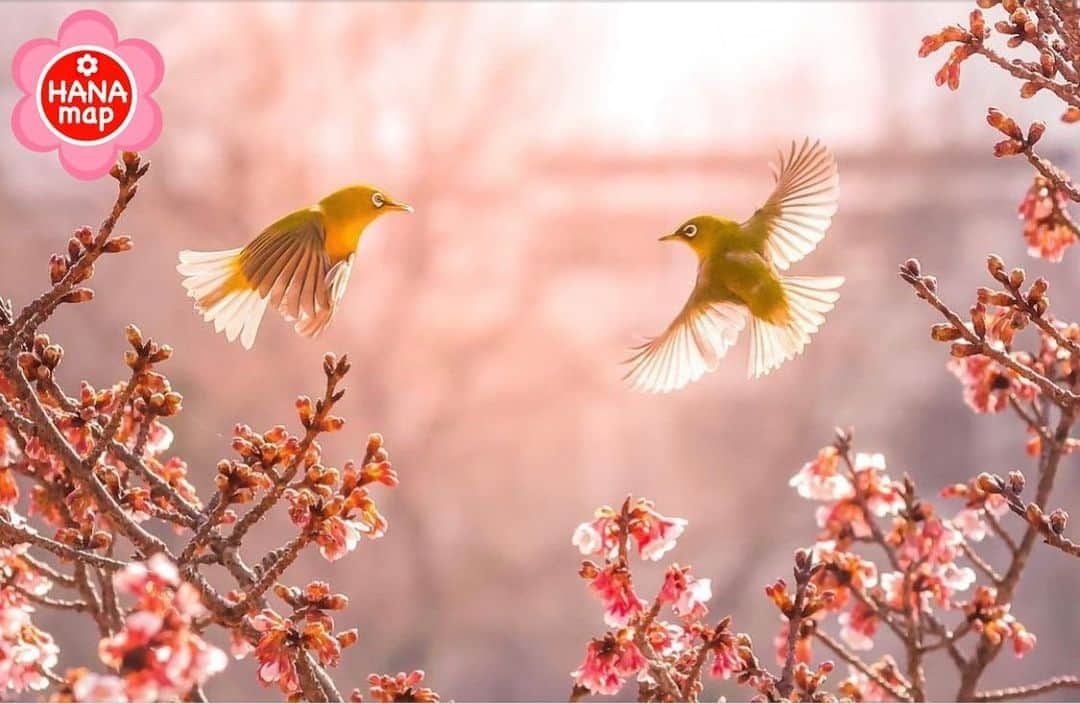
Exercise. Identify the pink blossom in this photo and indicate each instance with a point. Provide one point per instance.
(24, 649)
(686, 594)
(970, 523)
(1023, 640)
(883, 496)
(654, 534)
(1046, 229)
(608, 662)
(92, 687)
(615, 588)
(821, 479)
(338, 537)
(987, 385)
(858, 626)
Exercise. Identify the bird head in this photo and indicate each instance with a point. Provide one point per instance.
(374, 199)
(362, 203)
(700, 233)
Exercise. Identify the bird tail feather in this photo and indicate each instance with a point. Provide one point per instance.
(809, 298)
(222, 293)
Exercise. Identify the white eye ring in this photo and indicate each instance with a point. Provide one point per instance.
(690, 230)
(378, 200)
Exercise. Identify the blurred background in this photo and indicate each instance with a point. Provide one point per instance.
(546, 147)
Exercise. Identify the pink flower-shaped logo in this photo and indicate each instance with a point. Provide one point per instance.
(87, 94)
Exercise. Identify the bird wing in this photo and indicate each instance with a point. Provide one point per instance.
(287, 264)
(336, 280)
(797, 214)
(692, 344)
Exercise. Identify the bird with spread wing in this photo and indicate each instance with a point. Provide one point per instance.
(739, 283)
(299, 265)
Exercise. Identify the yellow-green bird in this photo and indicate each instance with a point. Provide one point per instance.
(739, 281)
(300, 265)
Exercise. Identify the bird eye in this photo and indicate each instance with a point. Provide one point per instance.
(690, 230)
(377, 199)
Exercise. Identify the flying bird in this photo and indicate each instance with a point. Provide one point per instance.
(739, 283)
(300, 265)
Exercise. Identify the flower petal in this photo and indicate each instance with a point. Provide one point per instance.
(88, 162)
(29, 60)
(87, 27)
(144, 128)
(29, 129)
(145, 62)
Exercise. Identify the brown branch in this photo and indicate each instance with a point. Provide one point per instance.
(1031, 690)
(330, 397)
(795, 617)
(49, 602)
(54, 440)
(854, 660)
(49, 571)
(127, 173)
(1000, 531)
(18, 534)
(1028, 418)
(1050, 459)
(285, 556)
(310, 685)
(1064, 398)
(1058, 178)
(985, 567)
(1064, 92)
(1033, 516)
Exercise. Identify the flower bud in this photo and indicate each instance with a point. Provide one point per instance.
(912, 266)
(1008, 147)
(977, 24)
(1016, 277)
(79, 295)
(134, 336)
(85, 236)
(57, 268)
(1058, 519)
(332, 424)
(995, 265)
(347, 638)
(1047, 64)
(944, 332)
(1016, 482)
(1035, 132)
(1029, 89)
(1071, 115)
(964, 349)
(989, 483)
(306, 410)
(1038, 289)
(1004, 124)
(118, 244)
(978, 319)
(52, 355)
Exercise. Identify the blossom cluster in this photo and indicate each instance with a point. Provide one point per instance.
(88, 490)
(666, 655)
(1043, 27)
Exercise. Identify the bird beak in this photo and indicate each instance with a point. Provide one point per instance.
(394, 205)
(672, 236)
